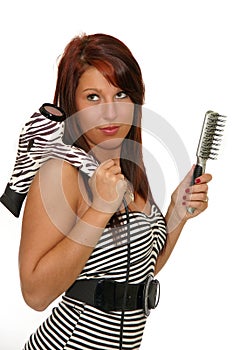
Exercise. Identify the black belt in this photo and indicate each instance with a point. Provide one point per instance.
(107, 295)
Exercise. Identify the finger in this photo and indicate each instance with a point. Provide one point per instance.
(199, 197)
(198, 188)
(188, 176)
(204, 178)
(121, 186)
(112, 179)
(120, 177)
(197, 205)
(107, 164)
(115, 169)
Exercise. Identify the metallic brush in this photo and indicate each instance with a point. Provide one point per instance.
(208, 146)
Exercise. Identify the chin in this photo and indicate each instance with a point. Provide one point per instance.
(112, 143)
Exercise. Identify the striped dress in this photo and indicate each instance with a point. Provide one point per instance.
(75, 325)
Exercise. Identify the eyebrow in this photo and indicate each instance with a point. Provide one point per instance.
(93, 89)
(96, 89)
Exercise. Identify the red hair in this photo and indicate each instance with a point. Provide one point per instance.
(117, 64)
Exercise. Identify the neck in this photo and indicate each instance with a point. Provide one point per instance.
(105, 154)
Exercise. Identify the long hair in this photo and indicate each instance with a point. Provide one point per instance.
(115, 61)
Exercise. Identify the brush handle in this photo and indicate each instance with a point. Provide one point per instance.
(198, 171)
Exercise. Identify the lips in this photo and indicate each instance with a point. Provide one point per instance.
(110, 130)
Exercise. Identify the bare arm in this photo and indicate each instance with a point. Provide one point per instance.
(184, 196)
(50, 255)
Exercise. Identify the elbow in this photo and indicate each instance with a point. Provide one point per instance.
(34, 300)
(34, 292)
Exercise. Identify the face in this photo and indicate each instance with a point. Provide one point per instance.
(105, 112)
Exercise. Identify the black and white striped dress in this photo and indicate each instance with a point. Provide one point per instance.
(76, 325)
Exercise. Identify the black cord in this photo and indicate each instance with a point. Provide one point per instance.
(127, 275)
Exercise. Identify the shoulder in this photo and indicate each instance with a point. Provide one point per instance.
(58, 172)
(55, 183)
(57, 165)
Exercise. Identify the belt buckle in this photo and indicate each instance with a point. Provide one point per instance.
(151, 294)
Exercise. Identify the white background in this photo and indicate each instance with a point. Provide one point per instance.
(185, 52)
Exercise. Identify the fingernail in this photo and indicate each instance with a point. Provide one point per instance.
(187, 190)
(197, 181)
(183, 203)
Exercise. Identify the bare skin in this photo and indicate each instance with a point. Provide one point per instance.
(55, 245)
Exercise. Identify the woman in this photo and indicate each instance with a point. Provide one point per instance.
(99, 240)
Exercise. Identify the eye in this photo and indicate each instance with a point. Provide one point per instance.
(121, 95)
(93, 97)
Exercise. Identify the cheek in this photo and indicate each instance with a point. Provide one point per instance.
(87, 119)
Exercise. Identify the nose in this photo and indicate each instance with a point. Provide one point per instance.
(109, 111)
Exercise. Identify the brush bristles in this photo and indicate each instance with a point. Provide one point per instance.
(212, 132)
